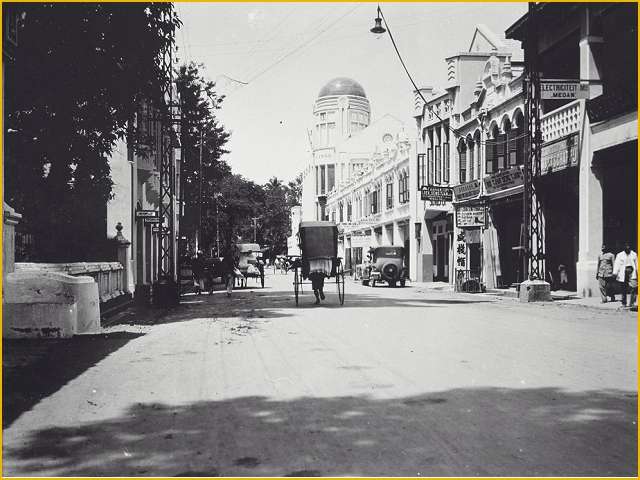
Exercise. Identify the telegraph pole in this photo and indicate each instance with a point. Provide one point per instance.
(534, 286)
(199, 233)
(255, 228)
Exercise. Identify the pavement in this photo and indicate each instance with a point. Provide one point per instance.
(412, 381)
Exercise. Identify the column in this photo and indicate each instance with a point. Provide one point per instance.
(122, 256)
(590, 46)
(427, 252)
(590, 227)
(10, 219)
(398, 237)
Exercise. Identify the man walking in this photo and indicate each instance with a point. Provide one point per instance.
(626, 271)
(605, 273)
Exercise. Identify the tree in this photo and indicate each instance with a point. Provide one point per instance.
(242, 201)
(80, 72)
(294, 191)
(202, 174)
(275, 217)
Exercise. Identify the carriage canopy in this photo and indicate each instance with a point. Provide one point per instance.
(318, 239)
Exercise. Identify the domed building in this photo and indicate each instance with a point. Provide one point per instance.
(341, 109)
(357, 176)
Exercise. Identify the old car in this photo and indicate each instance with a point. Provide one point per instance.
(386, 265)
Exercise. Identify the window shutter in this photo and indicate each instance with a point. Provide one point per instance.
(446, 164)
(490, 155)
(501, 148)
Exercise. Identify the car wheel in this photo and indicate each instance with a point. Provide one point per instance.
(365, 283)
(402, 283)
(392, 284)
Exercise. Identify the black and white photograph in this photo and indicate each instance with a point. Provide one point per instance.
(320, 239)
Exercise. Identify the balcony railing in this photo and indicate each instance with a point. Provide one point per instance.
(561, 122)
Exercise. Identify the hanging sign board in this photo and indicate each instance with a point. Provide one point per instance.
(470, 216)
(559, 154)
(436, 194)
(467, 191)
(362, 241)
(503, 180)
(148, 220)
(146, 213)
(563, 90)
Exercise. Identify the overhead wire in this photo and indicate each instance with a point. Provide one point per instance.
(252, 51)
(301, 46)
(453, 130)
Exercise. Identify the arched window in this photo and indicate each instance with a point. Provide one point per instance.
(491, 150)
(462, 159)
(478, 164)
(516, 140)
(471, 157)
(389, 186)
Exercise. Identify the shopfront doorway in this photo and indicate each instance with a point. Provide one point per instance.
(558, 193)
(507, 218)
(617, 169)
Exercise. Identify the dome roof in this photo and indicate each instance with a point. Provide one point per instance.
(342, 86)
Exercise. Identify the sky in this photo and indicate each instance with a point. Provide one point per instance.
(272, 59)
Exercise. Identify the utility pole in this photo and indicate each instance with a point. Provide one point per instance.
(217, 197)
(199, 232)
(255, 227)
(534, 286)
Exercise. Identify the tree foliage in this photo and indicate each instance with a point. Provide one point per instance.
(202, 169)
(79, 73)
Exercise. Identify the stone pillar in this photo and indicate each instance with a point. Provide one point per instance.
(590, 226)
(427, 252)
(398, 237)
(590, 49)
(11, 219)
(414, 252)
(122, 256)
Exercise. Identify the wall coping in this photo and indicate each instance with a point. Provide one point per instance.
(75, 268)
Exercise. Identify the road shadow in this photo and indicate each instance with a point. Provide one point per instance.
(33, 369)
(458, 432)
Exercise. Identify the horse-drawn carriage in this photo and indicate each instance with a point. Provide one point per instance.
(250, 263)
(318, 243)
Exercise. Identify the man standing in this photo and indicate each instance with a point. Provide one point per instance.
(605, 273)
(197, 268)
(626, 270)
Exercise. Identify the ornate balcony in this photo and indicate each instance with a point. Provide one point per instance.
(561, 122)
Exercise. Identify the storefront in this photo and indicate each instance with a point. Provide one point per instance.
(504, 236)
(617, 169)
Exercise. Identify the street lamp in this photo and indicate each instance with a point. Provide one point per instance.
(378, 28)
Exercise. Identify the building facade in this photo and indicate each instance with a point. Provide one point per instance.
(341, 110)
(588, 183)
(469, 176)
(135, 204)
(373, 207)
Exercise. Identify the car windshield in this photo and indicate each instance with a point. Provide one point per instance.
(389, 252)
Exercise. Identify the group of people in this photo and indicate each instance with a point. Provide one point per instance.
(618, 272)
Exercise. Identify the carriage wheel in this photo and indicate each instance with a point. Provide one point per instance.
(340, 283)
(296, 285)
